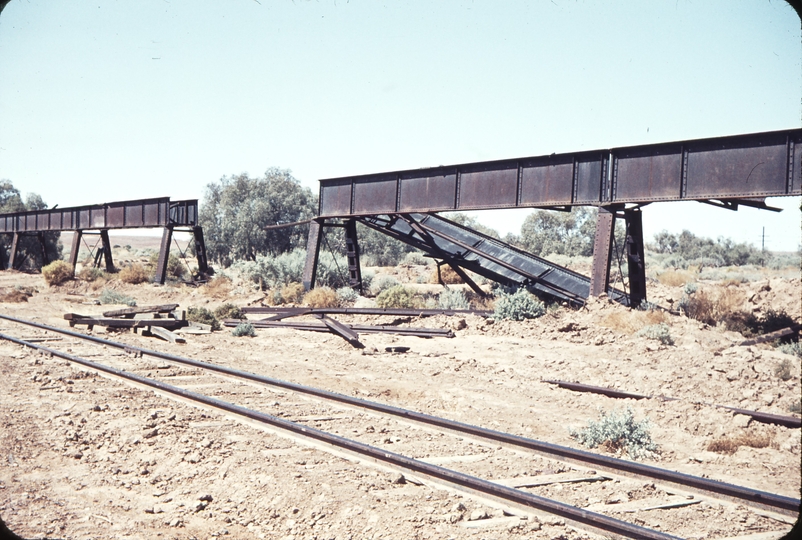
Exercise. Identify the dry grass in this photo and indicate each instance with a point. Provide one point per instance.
(675, 278)
(321, 297)
(219, 287)
(449, 276)
(630, 321)
(730, 445)
(13, 296)
(292, 293)
(717, 305)
(134, 274)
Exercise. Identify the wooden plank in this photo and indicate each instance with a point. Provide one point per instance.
(127, 323)
(163, 308)
(548, 479)
(165, 334)
(644, 505)
(771, 336)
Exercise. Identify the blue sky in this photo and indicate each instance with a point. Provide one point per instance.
(105, 100)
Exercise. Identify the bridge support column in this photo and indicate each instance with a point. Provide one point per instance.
(75, 248)
(635, 257)
(12, 255)
(104, 238)
(312, 254)
(352, 253)
(200, 250)
(602, 251)
(164, 256)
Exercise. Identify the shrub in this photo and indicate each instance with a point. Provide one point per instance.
(346, 295)
(203, 316)
(90, 273)
(244, 329)
(518, 306)
(176, 267)
(367, 279)
(658, 332)
(396, 297)
(794, 348)
(321, 297)
(691, 287)
(415, 258)
(275, 272)
(452, 299)
(382, 283)
(332, 271)
(228, 311)
(134, 274)
(783, 369)
(109, 296)
(633, 320)
(292, 293)
(616, 432)
(57, 272)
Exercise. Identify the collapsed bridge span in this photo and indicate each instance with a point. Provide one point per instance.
(728, 172)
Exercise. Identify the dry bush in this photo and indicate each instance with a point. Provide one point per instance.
(630, 321)
(730, 445)
(449, 276)
(718, 305)
(90, 273)
(321, 297)
(219, 287)
(57, 272)
(675, 278)
(134, 274)
(292, 293)
(13, 296)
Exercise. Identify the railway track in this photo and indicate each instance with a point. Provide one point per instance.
(552, 457)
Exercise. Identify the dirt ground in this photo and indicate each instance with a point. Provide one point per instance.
(82, 456)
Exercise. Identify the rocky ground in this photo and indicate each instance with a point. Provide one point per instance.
(86, 457)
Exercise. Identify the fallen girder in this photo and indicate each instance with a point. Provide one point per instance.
(366, 329)
(279, 312)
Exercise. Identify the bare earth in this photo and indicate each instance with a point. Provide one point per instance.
(83, 456)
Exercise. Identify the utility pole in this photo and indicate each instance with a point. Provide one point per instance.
(763, 240)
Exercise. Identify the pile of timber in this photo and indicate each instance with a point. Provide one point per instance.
(350, 332)
(160, 321)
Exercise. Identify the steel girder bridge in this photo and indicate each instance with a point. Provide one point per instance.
(727, 172)
(99, 219)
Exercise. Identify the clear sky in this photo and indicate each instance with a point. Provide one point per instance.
(109, 100)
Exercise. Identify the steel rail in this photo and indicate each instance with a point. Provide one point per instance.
(398, 312)
(766, 418)
(683, 481)
(317, 327)
(580, 516)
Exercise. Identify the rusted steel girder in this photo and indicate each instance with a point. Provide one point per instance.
(750, 166)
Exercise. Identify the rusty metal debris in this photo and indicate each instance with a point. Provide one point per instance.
(162, 321)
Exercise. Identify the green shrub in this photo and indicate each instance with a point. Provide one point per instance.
(396, 297)
(616, 432)
(794, 348)
(203, 316)
(658, 332)
(691, 287)
(346, 295)
(244, 329)
(518, 306)
(382, 283)
(783, 369)
(415, 258)
(228, 311)
(108, 296)
(176, 268)
(453, 299)
(57, 272)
